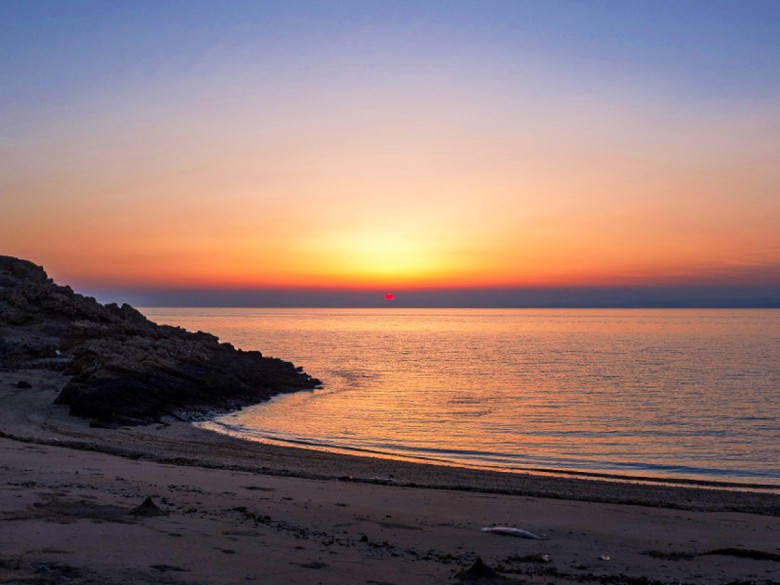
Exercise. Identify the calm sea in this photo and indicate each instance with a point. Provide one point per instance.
(675, 394)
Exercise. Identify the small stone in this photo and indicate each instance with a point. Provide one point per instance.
(148, 509)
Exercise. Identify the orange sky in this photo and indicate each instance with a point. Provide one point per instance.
(376, 165)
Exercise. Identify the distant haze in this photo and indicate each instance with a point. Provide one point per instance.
(524, 298)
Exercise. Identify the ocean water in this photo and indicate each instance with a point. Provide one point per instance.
(672, 394)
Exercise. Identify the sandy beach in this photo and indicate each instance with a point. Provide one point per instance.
(233, 512)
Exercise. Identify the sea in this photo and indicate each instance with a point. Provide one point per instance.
(674, 395)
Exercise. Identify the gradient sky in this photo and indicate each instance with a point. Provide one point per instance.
(392, 145)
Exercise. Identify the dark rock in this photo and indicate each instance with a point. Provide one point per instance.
(23, 384)
(480, 573)
(479, 570)
(124, 368)
(21, 270)
(148, 509)
(758, 555)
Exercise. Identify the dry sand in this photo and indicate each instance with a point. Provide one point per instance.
(236, 512)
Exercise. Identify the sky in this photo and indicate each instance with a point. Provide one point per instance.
(483, 153)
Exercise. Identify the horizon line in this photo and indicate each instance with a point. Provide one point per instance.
(727, 297)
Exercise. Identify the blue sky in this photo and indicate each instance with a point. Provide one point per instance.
(703, 48)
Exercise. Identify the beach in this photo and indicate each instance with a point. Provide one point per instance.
(232, 511)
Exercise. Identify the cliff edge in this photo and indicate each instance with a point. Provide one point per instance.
(120, 367)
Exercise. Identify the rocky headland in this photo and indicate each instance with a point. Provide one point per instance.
(121, 368)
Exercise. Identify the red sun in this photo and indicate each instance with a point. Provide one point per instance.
(389, 296)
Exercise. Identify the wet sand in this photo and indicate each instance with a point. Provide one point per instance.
(235, 512)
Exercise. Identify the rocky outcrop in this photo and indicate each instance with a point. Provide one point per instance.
(123, 368)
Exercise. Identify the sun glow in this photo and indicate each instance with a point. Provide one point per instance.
(389, 159)
(377, 256)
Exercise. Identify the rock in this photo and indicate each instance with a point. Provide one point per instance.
(23, 384)
(124, 368)
(479, 573)
(479, 570)
(758, 555)
(148, 509)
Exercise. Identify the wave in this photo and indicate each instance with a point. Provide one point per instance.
(514, 462)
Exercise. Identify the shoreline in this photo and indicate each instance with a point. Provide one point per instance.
(35, 419)
(229, 510)
(671, 481)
